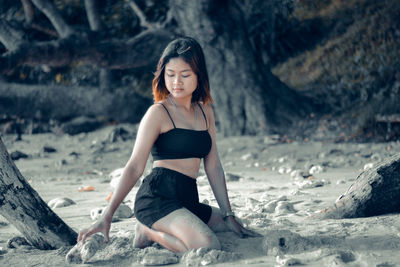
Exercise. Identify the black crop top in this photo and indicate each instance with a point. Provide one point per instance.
(180, 143)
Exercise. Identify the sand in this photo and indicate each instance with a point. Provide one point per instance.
(267, 189)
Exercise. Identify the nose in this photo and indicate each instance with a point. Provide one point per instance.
(177, 80)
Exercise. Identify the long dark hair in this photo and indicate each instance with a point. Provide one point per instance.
(190, 51)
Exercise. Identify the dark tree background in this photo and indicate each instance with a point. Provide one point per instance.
(322, 69)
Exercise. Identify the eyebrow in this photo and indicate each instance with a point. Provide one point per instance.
(181, 71)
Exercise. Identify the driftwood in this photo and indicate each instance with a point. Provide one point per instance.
(22, 206)
(64, 102)
(375, 192)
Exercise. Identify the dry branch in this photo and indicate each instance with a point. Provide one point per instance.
(28, 11)
(9, 36)
(51, 12)
(92, 13)
(139, 51)
(142, 17)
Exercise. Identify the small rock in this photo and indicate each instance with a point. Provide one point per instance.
(17, 242)
(284, 241)
(123, 212)
(115, 176)
(49, 149)
(316, 169)
(246, 157)
(96, 213)
(60, 202)
(16, 155)
(288, 261)
(232, 177)
(160, 257)
(2, 251)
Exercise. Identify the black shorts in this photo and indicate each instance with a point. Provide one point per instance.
(164, 191)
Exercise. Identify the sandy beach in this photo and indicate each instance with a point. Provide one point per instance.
(274, 187)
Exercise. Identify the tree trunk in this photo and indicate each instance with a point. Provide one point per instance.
(249, 98)
(64, 102)
(375, 192)
(21, 205)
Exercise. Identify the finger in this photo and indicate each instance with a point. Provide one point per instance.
(250, 233)
(87, 235)
(106, 236)
(236, 229)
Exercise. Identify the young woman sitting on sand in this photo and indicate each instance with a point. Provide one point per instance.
(178, 130)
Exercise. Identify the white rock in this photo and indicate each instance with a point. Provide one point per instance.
(246, 157)
(96, 213)
(60, 202)
(316, 169)
(115, 176)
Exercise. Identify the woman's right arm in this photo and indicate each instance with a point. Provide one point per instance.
(149, 129)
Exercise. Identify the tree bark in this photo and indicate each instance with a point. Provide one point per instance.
(64, 102)
(21, 205)
(141, 50)
(249, 98)
(92, 13)
(375, 192)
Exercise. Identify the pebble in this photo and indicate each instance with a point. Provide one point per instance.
(310, 183)
(96, 213)
(246, 157)
(49, 149)
(2, 251)
(230, 177)
(159, 257)
(316, 169)
(60, 202)
(17, 242)
(282, 261)
(123, 212)
(284, 241)
(16, 155)
(115, 176)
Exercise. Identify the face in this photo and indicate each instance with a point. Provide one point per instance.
(180, 79)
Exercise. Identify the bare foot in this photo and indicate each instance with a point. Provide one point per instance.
(141, 238)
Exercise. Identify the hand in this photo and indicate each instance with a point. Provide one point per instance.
(102, 225)
(232, 223)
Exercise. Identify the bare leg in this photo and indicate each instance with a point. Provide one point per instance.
(186, 228)
(145, 236)
(142, 238)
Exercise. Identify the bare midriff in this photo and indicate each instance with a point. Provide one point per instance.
(189, 167)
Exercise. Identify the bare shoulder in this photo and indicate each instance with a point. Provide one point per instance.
(208, 110)
(155, 112)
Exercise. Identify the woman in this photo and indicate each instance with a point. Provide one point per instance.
(179, 130)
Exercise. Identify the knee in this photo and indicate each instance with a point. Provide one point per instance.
(205, 241)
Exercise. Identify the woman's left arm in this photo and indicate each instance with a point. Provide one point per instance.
(216, 178)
